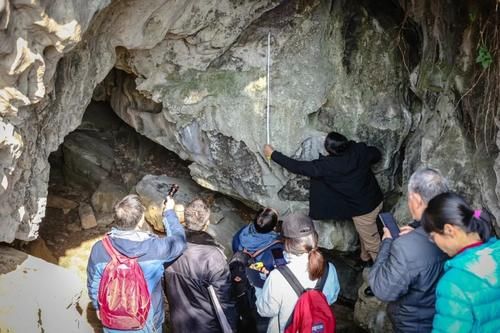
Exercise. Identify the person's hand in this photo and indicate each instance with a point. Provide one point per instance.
(268, 151)
(405, 230)
(264, 270)
(387, 234)
(168, 204)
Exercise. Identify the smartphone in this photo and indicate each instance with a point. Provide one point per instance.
(279, 260)
(390, 223)
(173, 189)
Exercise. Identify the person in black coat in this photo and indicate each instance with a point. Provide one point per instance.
(186, 280)
(408, 268)
(342, 186)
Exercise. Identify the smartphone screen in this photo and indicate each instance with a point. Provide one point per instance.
(390, 223)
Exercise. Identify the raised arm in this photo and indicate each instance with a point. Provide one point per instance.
(173, 245)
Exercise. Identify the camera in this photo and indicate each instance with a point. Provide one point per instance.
(173, 189)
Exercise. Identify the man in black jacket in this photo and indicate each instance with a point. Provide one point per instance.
(186, 280)
(342, 186)
(408, 268)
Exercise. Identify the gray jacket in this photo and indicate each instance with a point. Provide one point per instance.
(405, 275)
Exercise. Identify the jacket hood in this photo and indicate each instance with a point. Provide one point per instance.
(130, 242)
(482, 261)
(202, 238)
(251, 240)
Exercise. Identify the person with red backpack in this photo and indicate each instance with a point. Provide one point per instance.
(297, 296)
(125, 269)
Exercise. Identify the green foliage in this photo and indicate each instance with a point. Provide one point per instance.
(484, 57)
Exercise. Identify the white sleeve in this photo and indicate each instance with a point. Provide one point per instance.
(269, 298)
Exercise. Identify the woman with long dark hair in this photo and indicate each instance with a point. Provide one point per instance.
(342, 186)
(468, 294)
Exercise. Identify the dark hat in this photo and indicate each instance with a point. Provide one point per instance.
(297, 225)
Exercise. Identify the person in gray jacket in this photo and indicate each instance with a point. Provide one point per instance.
(408, 268)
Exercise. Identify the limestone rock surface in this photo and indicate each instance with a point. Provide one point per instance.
(153, 189)
(191, 76)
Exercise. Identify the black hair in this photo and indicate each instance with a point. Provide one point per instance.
(336, 143)
(266, 220)
(451, 208)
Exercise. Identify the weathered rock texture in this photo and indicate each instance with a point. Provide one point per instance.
(190, 75)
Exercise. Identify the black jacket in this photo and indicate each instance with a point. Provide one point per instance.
(405, 274)
(342, 186)
(186, 280)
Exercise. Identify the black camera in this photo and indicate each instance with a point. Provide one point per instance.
(173, 189)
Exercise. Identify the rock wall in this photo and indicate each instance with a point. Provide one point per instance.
(191, 76)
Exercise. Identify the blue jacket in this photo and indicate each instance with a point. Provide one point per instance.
(152, 252)
(251, 240)
(468, 294)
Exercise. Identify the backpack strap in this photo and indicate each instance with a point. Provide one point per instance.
(262, 249)
(297, 287)
(113, 253)
(291, 279)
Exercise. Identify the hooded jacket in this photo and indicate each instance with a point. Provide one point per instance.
(405, 274)
(248, 238)
(468, 294)
(186, 281)
(342, 185)
(151, 252)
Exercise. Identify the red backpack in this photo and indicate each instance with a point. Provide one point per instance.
(311, 313)
(123, 298)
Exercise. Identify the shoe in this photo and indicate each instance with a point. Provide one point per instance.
(368, 292)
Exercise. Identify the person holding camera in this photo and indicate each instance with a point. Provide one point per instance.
(119, 304)
(187, 280)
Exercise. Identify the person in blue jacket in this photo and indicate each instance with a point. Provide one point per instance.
(259, 234)
(468, 294)
(151, 252)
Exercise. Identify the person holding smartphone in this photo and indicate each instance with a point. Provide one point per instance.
(408, 268)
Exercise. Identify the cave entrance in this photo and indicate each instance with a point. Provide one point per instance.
(98, 164)
(105, 159)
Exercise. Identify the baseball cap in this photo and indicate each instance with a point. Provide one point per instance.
(297, 225)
